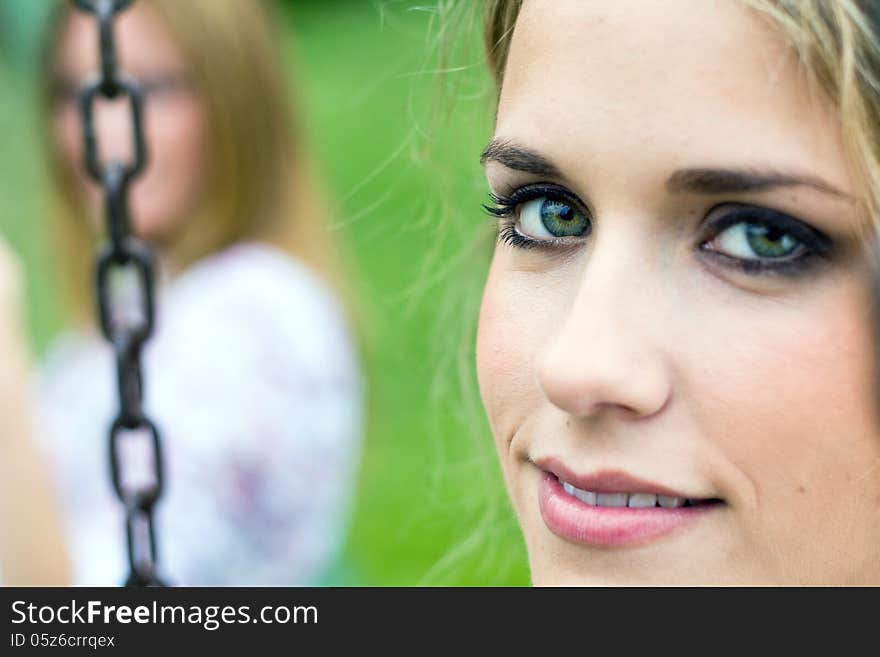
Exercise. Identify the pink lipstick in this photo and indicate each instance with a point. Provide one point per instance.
(613, 509)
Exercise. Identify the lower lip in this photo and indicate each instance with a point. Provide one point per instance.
(605, 526)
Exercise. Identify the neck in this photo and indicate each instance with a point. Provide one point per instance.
(167, 267)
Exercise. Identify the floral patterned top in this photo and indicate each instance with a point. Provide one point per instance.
(253, 381)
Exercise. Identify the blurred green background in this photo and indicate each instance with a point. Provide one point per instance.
(396, 123)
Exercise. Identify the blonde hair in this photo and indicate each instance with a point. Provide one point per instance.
(838, 45)
(259, 185)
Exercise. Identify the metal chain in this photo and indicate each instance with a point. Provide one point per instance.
(123, 251)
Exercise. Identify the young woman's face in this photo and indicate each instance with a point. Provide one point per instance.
(171, 185)
(677, 308)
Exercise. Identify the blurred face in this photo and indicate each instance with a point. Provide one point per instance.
(674, 349)
(168, 190)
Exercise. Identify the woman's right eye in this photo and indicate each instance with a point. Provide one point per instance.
(65, 93)
(547, 218)
(539, 215)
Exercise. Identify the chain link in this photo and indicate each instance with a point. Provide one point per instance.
(124, 251)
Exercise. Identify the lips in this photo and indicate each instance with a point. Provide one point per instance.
(612, 481)
(614, 509)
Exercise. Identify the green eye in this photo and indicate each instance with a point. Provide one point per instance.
(751, 241)
(548, 218)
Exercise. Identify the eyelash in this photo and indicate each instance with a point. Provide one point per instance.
(506, 207)
(813, 242)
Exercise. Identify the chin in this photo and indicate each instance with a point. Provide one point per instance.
(152, 228)
(556, 565)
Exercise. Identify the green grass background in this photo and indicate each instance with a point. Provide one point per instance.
(397, 142)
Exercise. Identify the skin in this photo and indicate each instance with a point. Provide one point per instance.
(635, 349)
(175, 123)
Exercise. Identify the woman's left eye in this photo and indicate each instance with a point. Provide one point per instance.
(166, 85)
(751, 241)
(760, 240)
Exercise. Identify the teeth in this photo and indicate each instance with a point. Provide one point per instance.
(642, 500)
(632, 500)
(611, 499)
(585, 496)
(670, 502)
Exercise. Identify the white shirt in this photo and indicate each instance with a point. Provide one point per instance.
(253, 381)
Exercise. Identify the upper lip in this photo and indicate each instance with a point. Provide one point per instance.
(608, 481)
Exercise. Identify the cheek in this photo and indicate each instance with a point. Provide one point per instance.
(792, 410)
(68, 136)
(515, 320)
(176, 138)
(495, 347)
(67, 128)
(786, 392)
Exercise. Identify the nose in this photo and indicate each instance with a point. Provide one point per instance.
(606, 354)
(114, 129)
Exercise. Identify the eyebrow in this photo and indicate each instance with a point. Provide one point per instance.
(518, 158)
(725, 181)
(693, 180)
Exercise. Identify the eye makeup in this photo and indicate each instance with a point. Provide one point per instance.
(813, 246)
(507, 209)
(751, 225)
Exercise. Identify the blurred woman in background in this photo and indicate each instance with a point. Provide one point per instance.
(252, 375)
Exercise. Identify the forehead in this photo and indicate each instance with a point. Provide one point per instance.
(671, 82)
(142, 40)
